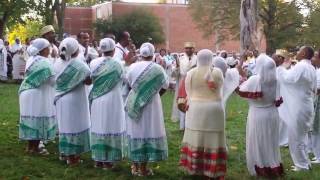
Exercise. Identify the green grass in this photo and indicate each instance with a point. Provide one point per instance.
(16, 164)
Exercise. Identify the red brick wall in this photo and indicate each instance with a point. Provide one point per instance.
(176, 21)
(78, 19)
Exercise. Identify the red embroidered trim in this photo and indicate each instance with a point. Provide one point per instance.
(278, 102)
(269, 172)
(250, 95)
(200, 154)
(182, 89)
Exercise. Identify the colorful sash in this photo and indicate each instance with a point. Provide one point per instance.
(37, 73)
(105, 77)
(73, 75)
(143, 89)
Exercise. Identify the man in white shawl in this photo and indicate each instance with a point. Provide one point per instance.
(18, 61)
(48, 33)
(300, 82)
(86, 52)
(3, 62)
(186, 61)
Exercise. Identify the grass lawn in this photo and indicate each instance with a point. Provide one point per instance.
(16, 164)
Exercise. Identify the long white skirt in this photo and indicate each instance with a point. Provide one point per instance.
(108, 127)
(19, 65)
(37, 114)
(262, 142)
(74, 122)
(147, 136)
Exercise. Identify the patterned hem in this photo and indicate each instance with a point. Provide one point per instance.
(74, 143)
(108, 147)
(37, 128)
(147, 149)
(269, 172)
(250, 95)
(202, 161)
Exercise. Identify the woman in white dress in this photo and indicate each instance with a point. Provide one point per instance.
(107, 109)
(147, 141)
(36, 95)
(72, 104)
(3, 62)
(262, 135)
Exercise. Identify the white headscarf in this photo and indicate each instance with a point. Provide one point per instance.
(231, 61)
(204, 58)
(220, 63)
(37, 45)
(68, 47)
(266, 69)
(107, 44)
(147, 50)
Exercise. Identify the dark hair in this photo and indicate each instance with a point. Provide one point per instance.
(310, 52)
(163, 50)
(108, 53)
(80, 34)
(122, 35)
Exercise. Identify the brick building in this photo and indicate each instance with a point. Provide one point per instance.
(175, 19)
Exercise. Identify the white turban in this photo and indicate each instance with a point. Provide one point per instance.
(220, 63)
(231, 61)
(68, 47)
(204, 57)
(107, 44)
(37, 45)
(147, 50)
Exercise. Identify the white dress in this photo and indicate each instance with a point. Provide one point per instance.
(18, 62)
(108, 122)
(3, 64)
(73, 116)
(262, 132)
(37, 112)
(147, 136)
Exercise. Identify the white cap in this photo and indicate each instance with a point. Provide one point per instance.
(231, 61)
(37, 45)
(147, 50)
(107, 44)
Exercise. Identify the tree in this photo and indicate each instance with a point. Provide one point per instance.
(28, 29)
(249, 25)
(141, 23)
(312, 26)
(218, 17)
(281, 21)
(12, 11)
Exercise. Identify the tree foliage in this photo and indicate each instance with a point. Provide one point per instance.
(12, 11)
(281, 21)
(25, 30)
(141, 23)
(218, 17)
(312, 26)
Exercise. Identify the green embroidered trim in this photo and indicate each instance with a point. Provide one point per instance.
(37, 128)
(74, 74)
(148, 150)
(72, 144)
(36, 74)
(107, 147)
(144, 88)
(105, 78)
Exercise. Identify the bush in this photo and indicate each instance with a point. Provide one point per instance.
(141, 24)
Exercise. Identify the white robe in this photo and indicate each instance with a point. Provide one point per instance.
(300, 84)
(73, 108)
(3, 64)
(18, 61)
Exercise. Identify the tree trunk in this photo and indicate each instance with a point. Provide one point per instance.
(3, 22)
(60, 11)
(248, 25)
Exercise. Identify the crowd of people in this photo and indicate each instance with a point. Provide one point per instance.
(105, 98)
